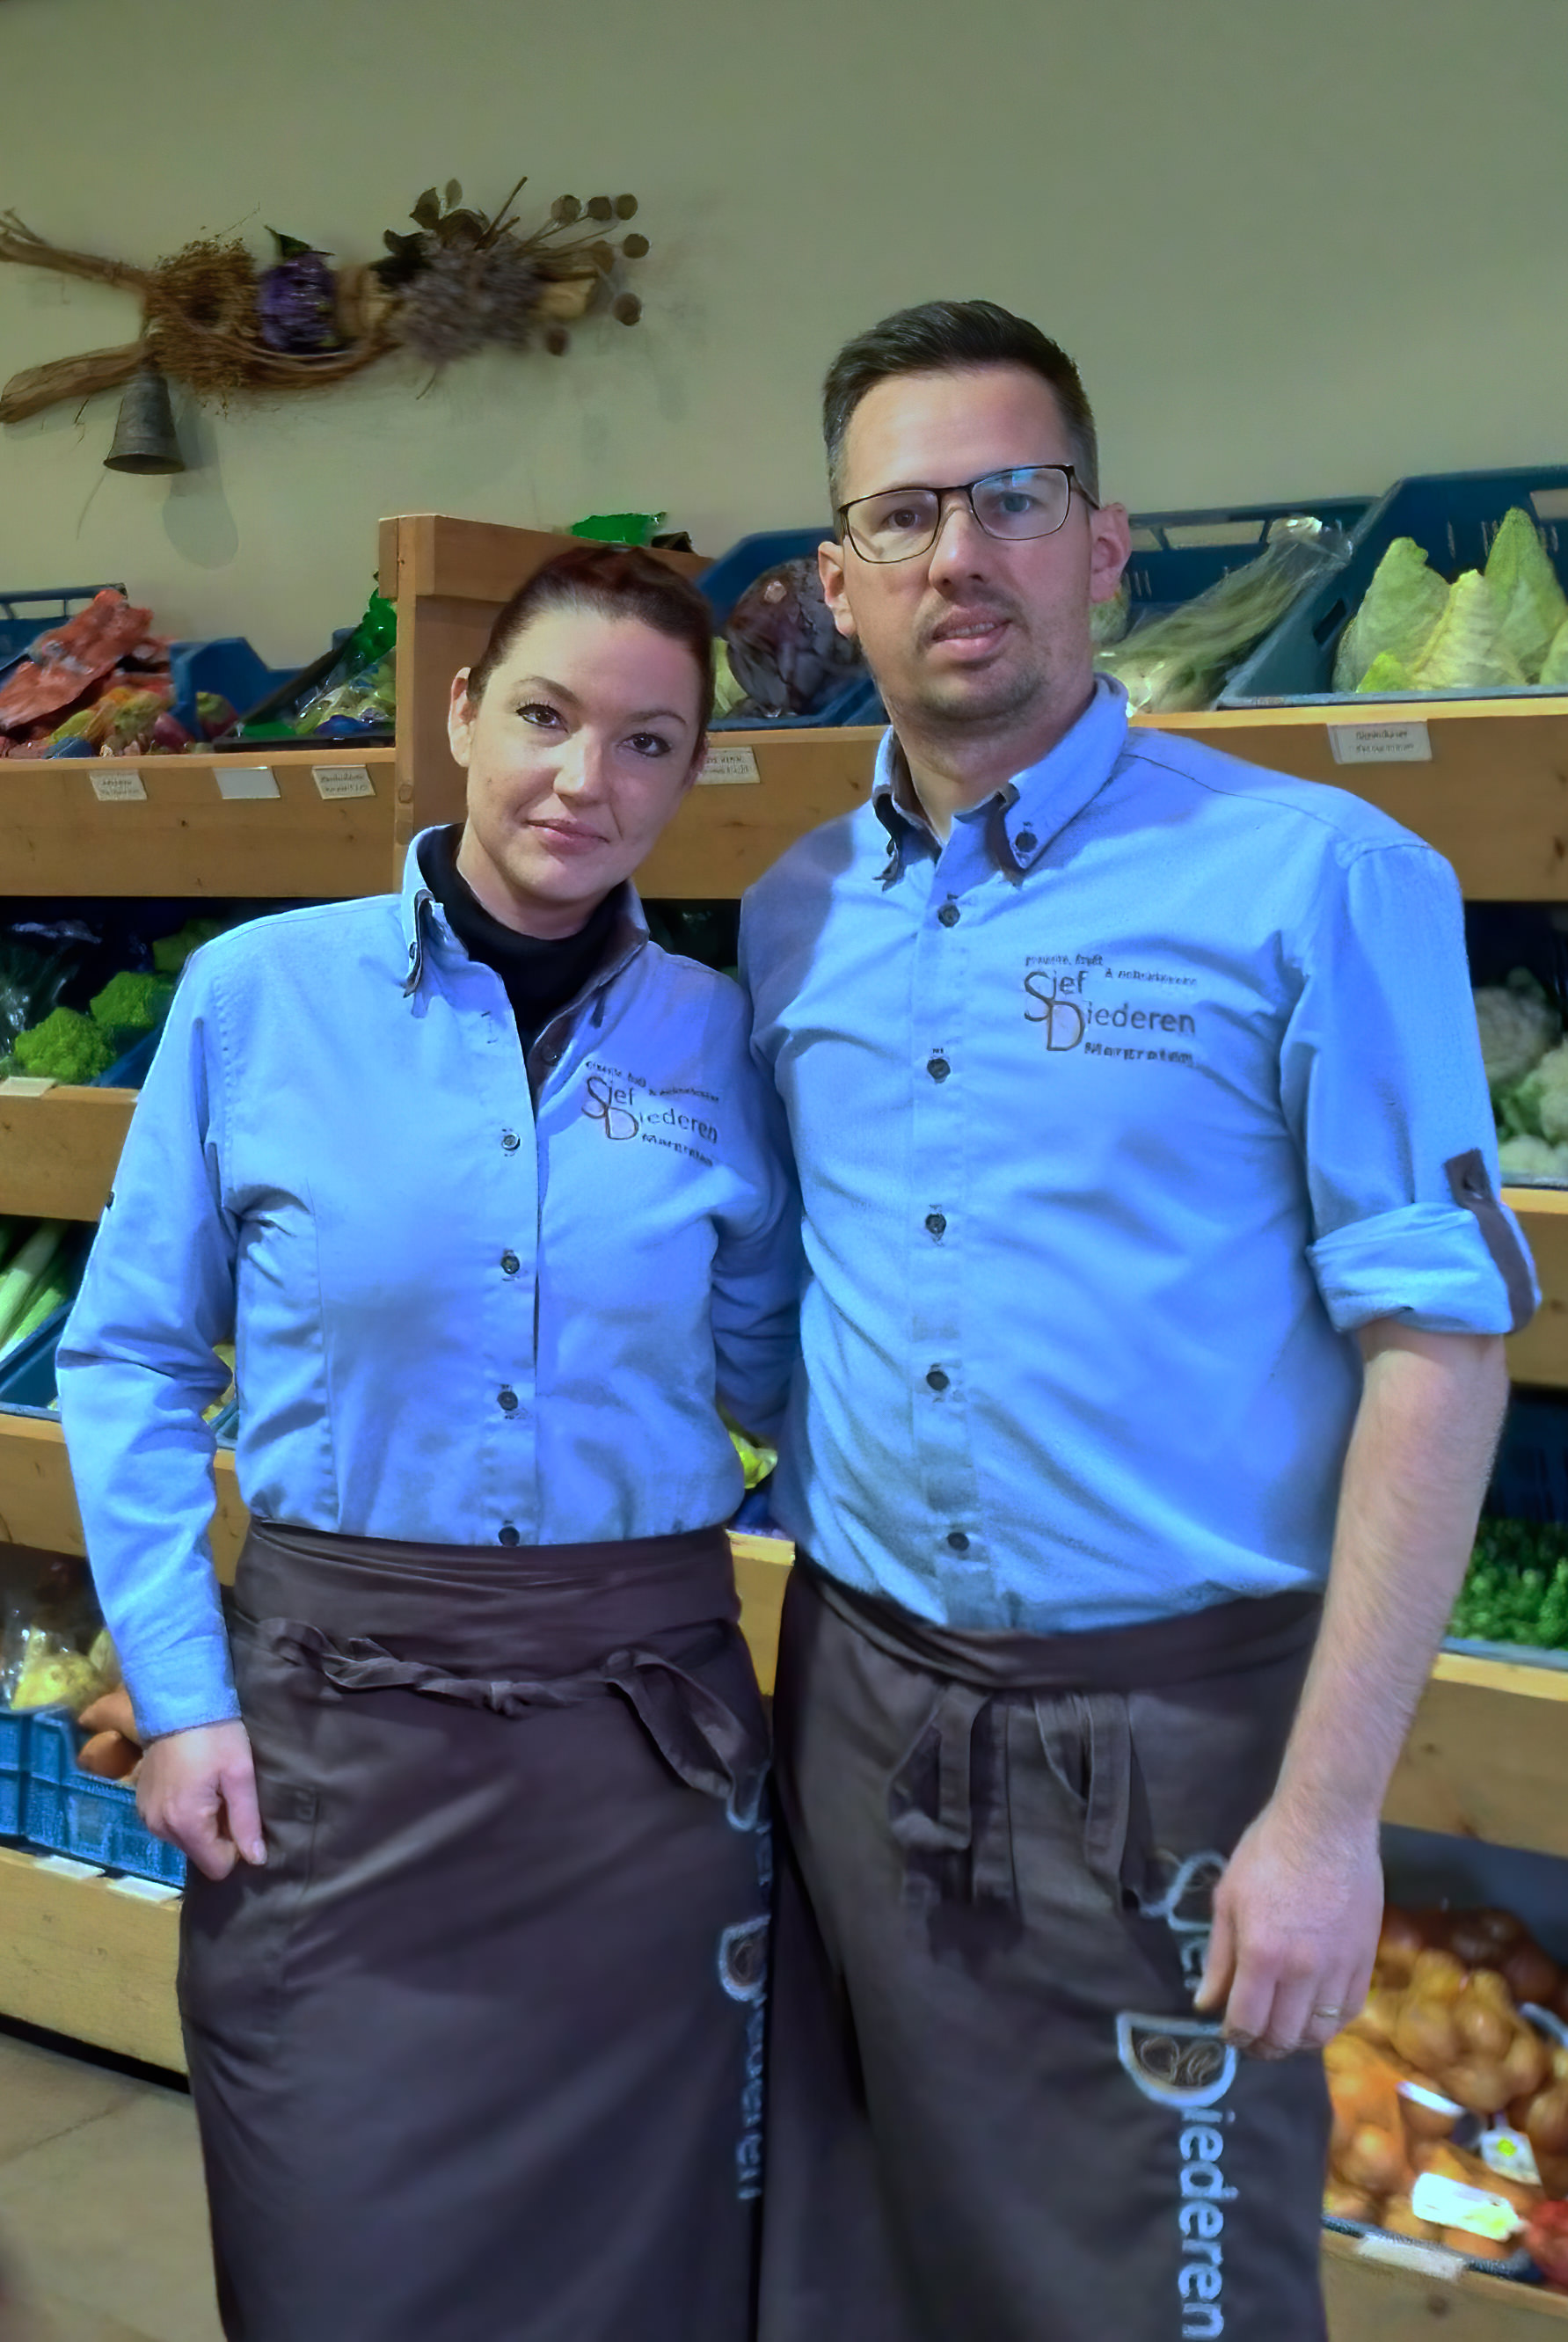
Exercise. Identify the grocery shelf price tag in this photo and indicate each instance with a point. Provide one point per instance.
(28, 1085)
(335, 781)
(1380, 744)
(118, 788)
(1450, 2204)
(145, 1890)
(728, 764)
(238, 781)
(1510, 2154)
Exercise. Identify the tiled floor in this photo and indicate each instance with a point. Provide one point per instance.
(103, 2216)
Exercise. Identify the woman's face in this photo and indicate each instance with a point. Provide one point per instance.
(580, 748)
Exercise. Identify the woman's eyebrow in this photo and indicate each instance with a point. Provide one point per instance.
(542, 683)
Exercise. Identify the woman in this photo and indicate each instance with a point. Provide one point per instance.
(485, 1183)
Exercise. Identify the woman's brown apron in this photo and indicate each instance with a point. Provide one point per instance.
(476, 2055)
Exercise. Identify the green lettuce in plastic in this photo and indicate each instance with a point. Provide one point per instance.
(1467, 651)
(1554, 667)
(1532, 605)
(1386, 673)
(1399, 612)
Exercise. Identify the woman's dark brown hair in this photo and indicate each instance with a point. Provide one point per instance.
(614, 582)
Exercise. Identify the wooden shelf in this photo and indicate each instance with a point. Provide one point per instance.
(1369, 2301)
(59, 1150)
(185, 838)
(87, 1959)
(1493, 798)
(1540, 1354)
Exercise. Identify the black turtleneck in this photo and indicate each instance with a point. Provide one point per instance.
(540, 976)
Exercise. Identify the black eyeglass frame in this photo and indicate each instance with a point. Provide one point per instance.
(965, 488)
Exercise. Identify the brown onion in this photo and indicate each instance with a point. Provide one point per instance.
(1436, 1976)
(1427, 2036)
(1398, 2221)
(1478, 2083)
(1343, 2203)
(1532, 1974)
(1485, 2032)
(1546, 2124)
(1526, 2065)
(1375, 2161)
(1402, 1942)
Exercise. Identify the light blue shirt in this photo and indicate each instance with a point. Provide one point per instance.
(1115, 1116)
(474, 1302)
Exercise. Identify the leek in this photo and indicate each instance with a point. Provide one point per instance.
(30, 1267)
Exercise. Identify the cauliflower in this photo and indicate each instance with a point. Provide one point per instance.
(67, 1048)
(1537, 1106)
(1532, 1158)
(1518, 1025)
(132, 1004)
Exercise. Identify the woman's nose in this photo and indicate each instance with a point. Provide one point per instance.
(582, 770)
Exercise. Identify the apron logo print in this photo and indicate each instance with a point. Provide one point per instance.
(1176, 2061)
(612, 1108)
(744, 1959)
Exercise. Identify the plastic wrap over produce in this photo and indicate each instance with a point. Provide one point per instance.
(1181, 661)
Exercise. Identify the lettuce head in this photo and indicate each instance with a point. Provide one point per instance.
(1555, 666)
(1467, 652)
(1532, 605)
(1400, 610)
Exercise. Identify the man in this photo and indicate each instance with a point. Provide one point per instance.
(1155, 1261)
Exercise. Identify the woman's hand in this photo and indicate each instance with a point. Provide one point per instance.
(199, 1790)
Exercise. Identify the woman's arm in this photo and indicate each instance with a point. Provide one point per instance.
(137, 1368)
(757, 1271)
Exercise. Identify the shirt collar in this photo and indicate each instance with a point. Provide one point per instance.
(425, 927)
(1023, 816)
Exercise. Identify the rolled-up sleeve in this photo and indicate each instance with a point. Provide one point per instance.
(1383, 1085)
(136, 1368)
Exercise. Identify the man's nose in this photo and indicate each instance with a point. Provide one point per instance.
(960, 546)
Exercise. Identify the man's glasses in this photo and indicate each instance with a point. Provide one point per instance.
(898, 522)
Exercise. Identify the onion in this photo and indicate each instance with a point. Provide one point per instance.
(1436, 1976)
(1476, 2248)
(1375, 2161)
(1532, 1974)
(1485, 2032)
(1479, 2082)
(1427, 2036)
(1526, 2063)
(1343, 2203)
(1400, 1943)
(1546, 2124)
(1401, 2221)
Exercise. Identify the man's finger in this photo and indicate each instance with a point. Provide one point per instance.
(1219, 1965)
(244, 1815)
(196, 1831)
(1250, 2003)
(1291, 2016)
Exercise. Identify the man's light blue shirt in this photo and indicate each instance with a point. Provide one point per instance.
(1115, 1116)
(478, 1302)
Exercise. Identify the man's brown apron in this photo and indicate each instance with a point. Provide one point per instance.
(476, 2057)
(991, 2112)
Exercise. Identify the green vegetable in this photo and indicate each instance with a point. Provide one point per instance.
(131, 1003)
(28, 1270)
(1537, 1106)
(1467, 652)
(1398, 616)
(1517, 1023)
(170, 952)
(1516, 1587)
(1532, 605)
(1387, 671)
(1108, 621)
(1180, 661)
(46, 1298)
(67, 1048)
(1554, 667)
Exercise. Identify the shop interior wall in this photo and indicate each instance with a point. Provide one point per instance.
(1295, 250)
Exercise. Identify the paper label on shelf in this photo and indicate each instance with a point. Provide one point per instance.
(118, 788)
(1510, 2154)
(62, 1866)
(236, 781)
(333, 781)
(1380, 744)
(728, 764)
(1414, 2255)
(145, 1890)
(28, 1085)
(1450, 2204)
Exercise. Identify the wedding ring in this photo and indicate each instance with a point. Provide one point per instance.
(1328, 2012)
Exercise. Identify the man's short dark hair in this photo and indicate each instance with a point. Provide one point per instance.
(947, 337)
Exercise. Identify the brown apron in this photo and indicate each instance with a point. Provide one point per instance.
(476, 2057)
(992, 2111)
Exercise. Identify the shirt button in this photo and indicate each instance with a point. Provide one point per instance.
(1025, 841)
(509, 1536)
(958, 1541)
(553, 1055)
(510, 1263)
(510, 1141)
(948, 914)
(936, 1224)
(938, 1068)
(507, 1399)
(937, 1379)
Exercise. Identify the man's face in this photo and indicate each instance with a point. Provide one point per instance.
(975, 633)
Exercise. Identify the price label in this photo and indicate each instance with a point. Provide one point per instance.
(145, 1890)
(239, 781)
(28, 1085)
(335, 781)
(1380, 744)
(1509, 2153)
(1450, 2204)
(118, 788)
(724, 765)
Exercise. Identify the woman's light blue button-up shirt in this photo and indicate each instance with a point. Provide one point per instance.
(469, 1309)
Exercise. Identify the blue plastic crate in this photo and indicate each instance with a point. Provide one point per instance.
(96, 1821)
(13, 1733)
(27, 1375)
(26, 615)
(129, 1071)
(1453, 517)
(227, 665)
(1177, 555)
(10, 1805)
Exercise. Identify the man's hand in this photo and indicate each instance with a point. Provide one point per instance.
(199, 1790)
(1296, 1922)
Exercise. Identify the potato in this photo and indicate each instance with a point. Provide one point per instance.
(108, 1755)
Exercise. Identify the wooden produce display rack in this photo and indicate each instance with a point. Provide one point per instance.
(1489, 1750)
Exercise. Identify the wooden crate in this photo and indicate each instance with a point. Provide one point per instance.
(86, 1958)
(58, 1149)
(1369, 2301)
(1540, 1354)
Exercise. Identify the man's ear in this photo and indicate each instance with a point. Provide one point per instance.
(1110, 547)
(830, 569)
(460, 714)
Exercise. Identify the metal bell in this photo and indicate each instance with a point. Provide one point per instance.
(145, 437)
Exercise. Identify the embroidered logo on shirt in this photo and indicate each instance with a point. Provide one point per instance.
(625, 1108)
(1082, 1006)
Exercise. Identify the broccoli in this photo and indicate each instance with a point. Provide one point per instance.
(1537, 1106)
(132, 1004)
(170, 952)
(67, 1048)
(1516, 1587)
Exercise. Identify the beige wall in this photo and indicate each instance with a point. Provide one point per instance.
(1294, 248)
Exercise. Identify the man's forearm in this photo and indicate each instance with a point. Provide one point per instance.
(1414, 1478)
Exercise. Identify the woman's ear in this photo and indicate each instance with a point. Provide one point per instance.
(461, 712)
